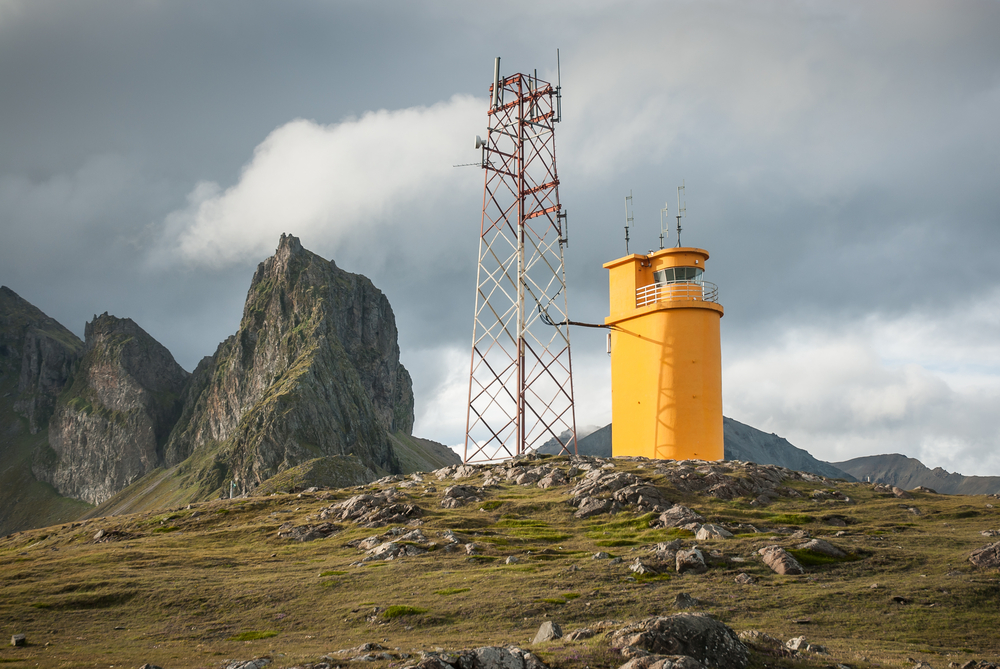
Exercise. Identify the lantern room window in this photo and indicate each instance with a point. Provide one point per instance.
(680, 275)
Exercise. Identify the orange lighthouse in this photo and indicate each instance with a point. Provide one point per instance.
(666, 356)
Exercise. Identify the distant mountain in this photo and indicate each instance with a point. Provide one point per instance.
(908, 473)
(742, 442)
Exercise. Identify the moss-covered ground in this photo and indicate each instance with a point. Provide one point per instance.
(192, 587)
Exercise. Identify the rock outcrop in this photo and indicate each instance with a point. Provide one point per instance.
(695, 635)
(110, 425)
(987, 557)
(313, 371)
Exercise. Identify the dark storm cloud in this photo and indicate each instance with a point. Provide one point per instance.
(841, 162)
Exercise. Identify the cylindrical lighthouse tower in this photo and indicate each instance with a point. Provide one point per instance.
(666, 357)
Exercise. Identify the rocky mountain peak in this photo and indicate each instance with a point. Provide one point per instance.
(313, 371)
(111, 423)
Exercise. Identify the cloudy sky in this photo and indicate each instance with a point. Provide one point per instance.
(842, 163)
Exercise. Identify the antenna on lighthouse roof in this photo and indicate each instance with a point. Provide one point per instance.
(664, 223)
(681, 211)
(628, 217)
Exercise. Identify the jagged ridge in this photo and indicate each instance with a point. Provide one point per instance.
(313, 371)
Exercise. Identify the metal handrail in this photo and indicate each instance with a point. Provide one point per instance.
(677, 291)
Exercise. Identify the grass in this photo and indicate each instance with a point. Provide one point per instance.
(790, 519)
(400, 610)
(253, 636)
(187, 598)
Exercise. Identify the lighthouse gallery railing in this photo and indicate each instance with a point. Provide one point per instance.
(673, 291)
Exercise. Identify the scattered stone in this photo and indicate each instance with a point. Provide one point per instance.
(471, 549)
(552, 478)
(764, 643)
(987, 557)
(648, 661)
(601, 555)
(307, 532)
(823, 547)
(601, 491)
(690, 560)
(780, 561)
(247, 664)
(19, 640)
(375, 510)
(693, 634)
(900, 493)
(685, 601)
(706, 532)
(459, 495)
(99, 535)
(745, 579)
(990, 533)
(511, 559)
(799, 643)
(149, 666)
(914, 510)
(900, 600)
(677, 516)
(580, 634)
(925, 489)
(594, 506)
(640, 568)
(548, 631)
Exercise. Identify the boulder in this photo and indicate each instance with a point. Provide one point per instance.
(581, 634)
(548, 631)
(663, 662)
(640, 568)
(745, 579)
(690, 560)
(593, 506)
(18, 640)
(780, 561)
(706, 532)
(987, 557)
(460, 495)
(695, 635)
(678, 515)
(823, 547)
(258, 663)
(685, 601)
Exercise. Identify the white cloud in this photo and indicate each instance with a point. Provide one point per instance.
(359, 179)
(917, 384)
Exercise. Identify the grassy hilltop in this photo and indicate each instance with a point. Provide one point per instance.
(191, 587)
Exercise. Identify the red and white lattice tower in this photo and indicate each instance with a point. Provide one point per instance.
(521, 380)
